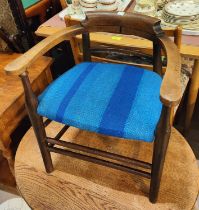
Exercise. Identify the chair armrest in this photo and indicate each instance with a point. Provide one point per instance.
(171, 89)
(20, 65)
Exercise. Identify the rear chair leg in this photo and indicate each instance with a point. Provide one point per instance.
(37, 123)
(159, 152)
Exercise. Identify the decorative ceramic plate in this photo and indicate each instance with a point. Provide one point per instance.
(147, 9)
(183, 8)
(181, 12)
(188, 29)
(161, 3)
(168, 20)
(119, 5)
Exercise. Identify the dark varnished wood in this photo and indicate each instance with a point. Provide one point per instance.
(157, 58)
(101, 162)
(36, 120)
(86, 46)
(129, 23)
(159, 152)
(101, 153)
(62, 131)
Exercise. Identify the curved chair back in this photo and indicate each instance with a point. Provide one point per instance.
(128, 24)
(101, 44)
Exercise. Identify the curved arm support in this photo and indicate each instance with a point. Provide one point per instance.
(20, 65)
(171, 89)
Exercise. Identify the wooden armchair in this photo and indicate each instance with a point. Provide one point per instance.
(111, 99)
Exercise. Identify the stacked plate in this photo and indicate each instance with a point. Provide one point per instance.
(181, 12)
(107, 5)
(88, 5)
(93, 5)
(102, 5)
(161, 3)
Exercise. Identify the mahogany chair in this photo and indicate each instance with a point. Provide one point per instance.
(111, 99)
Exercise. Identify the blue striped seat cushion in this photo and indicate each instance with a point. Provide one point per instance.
(111, 99)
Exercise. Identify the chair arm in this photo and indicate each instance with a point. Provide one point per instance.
(171, 89)
(20, 65)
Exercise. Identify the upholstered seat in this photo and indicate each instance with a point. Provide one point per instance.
(112, 99)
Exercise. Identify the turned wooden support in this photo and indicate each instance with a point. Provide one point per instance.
(159, 152)
(86, 46)
(36, 120)
(157, 58)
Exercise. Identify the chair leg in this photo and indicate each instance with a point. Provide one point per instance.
(159, 153)
(40, 134)
(37, 123)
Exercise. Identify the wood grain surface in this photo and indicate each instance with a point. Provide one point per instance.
(77, 184)
(12, 105)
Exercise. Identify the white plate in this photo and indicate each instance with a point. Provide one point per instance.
(122, 5)
(182, 8)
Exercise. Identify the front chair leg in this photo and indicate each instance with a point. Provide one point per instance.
(37, 123)
(159, 152)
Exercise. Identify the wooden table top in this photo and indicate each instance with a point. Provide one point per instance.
(10, 86)
(77, 184)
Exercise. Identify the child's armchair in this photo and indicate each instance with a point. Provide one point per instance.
(111, 99)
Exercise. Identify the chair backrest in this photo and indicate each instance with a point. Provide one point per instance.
(132, 24)
(128, 24)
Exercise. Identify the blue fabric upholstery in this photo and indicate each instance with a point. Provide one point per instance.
(111, 99)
